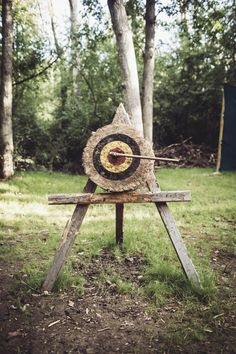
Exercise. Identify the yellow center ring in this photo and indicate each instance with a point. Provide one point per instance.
(105, 153)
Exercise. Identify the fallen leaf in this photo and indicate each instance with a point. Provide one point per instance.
(14, 334)
(71, 303)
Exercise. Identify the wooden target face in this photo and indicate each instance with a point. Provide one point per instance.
(117, 173)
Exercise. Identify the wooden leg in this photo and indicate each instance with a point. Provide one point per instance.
(178, 243)
(68, 240)
(175, 236)
(119, 223)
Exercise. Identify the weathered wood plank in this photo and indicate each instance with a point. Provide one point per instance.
(119, 223)
(117, 198)
(68, 239)
(178, 243)
(176, 238)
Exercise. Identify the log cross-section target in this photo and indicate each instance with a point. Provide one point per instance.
(117, 173)
(118, 159)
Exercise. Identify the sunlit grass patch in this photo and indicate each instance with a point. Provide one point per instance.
(43, 183)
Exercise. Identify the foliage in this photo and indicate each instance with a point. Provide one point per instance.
(30, 133)
(190, 80)
(51, 126)
(28, 42)
(76, 117)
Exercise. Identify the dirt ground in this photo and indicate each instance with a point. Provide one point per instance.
(102, 320)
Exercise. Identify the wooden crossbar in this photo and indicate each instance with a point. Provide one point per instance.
(117, 198)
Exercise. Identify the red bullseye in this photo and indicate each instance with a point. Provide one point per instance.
(116, 160)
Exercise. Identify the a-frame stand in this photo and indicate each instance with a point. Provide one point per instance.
(88, 197)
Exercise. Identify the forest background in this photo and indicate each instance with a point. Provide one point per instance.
(67, 82)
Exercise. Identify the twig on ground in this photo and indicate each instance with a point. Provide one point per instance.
(53, 323)
(30, 287)
(104, 329)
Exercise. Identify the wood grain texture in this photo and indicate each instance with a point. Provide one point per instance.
(119, 223)
(116, 198)
(68, 239)
(6, 132)
(175, 237)
(127, 60)
(178, 244)
(148, 69)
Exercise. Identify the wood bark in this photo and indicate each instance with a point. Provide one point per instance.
(218, 162)
(74, 49)
(6, 133)
(175, 236)
(148, 71)
(68, 239)
(119, 223)
(119, 198)
(127, 60)
(183, 10)
(51, 13)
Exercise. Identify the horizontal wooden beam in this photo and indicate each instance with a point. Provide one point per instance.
(115, 198)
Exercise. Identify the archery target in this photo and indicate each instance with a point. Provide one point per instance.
(117, 173)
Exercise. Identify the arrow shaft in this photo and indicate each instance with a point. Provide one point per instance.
(116, 154)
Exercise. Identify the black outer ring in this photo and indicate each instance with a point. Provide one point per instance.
(112, 175)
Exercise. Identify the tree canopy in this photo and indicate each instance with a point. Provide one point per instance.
(52, 121)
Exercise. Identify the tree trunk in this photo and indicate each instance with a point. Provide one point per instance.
(148, 70)
(74, 49)
(6, 144)
(127, 59)
(183, 5)
(60, 54)
(51, 14)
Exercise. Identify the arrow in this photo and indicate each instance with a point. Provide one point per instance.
(117, 154)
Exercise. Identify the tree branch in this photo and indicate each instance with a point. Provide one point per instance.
(36, 74)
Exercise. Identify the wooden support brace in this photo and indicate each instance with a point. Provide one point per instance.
(68, 240)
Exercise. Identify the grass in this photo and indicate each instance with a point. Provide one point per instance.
(31, 230)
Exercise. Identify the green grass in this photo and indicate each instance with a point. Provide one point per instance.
(30, 230)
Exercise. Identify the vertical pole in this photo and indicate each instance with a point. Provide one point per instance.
(218, 162)
(119, 223)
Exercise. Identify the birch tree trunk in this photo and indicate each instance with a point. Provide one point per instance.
(6, 134)
(148, 70)
(74, 50)
(127, 60)
(51, 14)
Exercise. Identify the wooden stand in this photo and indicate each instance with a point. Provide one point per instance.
(88, 197)
(84, 200)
